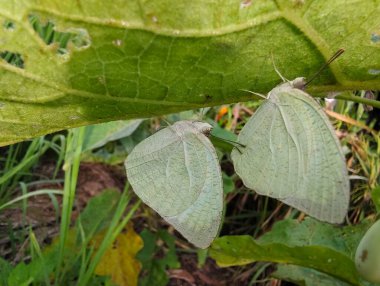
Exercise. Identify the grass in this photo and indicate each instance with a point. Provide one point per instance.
(89, 259)
(20, 160)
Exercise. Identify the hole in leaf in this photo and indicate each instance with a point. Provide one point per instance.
(14, 59)
(9, 25)
(50, 35)
(375, 37)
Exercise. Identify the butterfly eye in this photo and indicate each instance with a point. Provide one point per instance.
(206, 131)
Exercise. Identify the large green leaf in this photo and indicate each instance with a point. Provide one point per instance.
(100, 134)
(311, 244)
(305, 276)
(119, 59)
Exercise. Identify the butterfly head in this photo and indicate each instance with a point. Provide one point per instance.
(203, 127)
(299, 82)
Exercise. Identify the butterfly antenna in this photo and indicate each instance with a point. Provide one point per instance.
(237, 148)
(255, 93)
(277, 71)
(337, 54)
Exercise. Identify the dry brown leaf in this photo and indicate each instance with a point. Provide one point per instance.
(120, 261)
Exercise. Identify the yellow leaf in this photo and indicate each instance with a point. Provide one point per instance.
(119, 260)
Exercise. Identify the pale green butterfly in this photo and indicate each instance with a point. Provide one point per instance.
(176, 172)
(292, 154)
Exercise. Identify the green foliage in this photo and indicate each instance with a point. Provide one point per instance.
(71, 63)
(222, 138)
(308, 244)
(155, 268)
(305, 276)
(291, 234)
(89, 62)
(98, 213)
(100, 134)
(5, 270)
(77, 249)
(50, 35)
(112, 136)
(228, 184)
(20, 160)
(13, 59)
(376, 197)
(36, 271)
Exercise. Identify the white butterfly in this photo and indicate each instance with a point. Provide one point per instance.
(292, 154)
(176, 172)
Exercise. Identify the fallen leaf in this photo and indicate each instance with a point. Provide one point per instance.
(119, 262)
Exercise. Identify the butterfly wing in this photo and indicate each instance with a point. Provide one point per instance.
(176, 172)
(292, 154)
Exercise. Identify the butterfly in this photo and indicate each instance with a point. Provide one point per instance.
(292, 154)
(177, 173)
